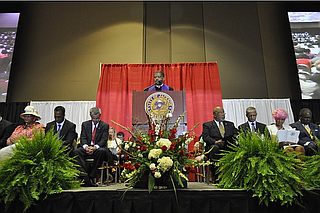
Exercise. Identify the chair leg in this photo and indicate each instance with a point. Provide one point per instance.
(107, 174)
(104, 163)
(207, 175)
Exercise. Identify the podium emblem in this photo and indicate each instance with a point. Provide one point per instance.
(159, 104)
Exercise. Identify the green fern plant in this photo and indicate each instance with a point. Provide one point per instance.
(259, 166)
(311, 170)
(38, 167)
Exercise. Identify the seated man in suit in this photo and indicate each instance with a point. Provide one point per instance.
(158, 83)
(6, 129)
(93, 138)
(308, 131)
(66, 130)
(218, 134)
(252, 124)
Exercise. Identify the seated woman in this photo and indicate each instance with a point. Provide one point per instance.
(280, 115)
(30, 117)
(114, 143)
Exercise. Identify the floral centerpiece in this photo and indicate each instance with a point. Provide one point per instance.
(157, 153)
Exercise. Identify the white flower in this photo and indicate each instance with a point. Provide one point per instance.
(152, 166)
(154, 153)
(134, 145)
(126, 146)
(157, 129)
(188, 140)
(140, 155)
(157, 174)
(169, 115)
(165, 163)
(164, 142)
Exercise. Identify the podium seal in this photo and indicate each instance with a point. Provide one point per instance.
(159, 104)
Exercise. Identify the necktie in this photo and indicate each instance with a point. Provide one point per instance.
(59, 130)
(221, 128)
(94, 134)
(309, 131)
(253, 127)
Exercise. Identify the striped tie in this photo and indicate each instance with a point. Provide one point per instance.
(59, 130)
(221, 128)
(309, 131)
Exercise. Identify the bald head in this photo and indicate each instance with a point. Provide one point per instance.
(218, 113)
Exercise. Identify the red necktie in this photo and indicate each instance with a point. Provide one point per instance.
(94, 133)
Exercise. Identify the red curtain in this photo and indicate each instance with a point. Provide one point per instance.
(201, 81)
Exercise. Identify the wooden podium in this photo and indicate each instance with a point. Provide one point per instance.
(139, 115)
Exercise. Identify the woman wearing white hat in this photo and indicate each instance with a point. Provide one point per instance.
(30, 117)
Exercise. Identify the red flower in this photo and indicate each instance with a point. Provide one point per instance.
(171, 137)
(151, 140)
(137, 165)
(143, 148)
(164, 148)
(173, 145)
(127, 165)
(151, 132)
(132, 167)
(181, 152)
(173, 131)
(188, 154)
(139, 138)
(153, 171)
(126, 157)
(187, 167)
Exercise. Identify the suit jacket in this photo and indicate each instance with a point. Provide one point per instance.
(259, 127)
(304, 135)
(211, 133)
(68, 132)
(6, 129)
(101, 136)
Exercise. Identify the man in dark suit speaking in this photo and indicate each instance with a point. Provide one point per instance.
(158, 83)
(66, 129)
(218, 134)
(93, 138)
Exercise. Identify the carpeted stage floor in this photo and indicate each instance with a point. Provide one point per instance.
(197, 198)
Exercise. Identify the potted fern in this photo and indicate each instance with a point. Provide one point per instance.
(311, 170)
(259, 166)
(39, 167)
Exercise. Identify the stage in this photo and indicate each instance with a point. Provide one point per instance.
(197, 198)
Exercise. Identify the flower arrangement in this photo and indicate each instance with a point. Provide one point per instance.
(157, 153)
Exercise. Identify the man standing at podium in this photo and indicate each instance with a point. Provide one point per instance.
(158, 83)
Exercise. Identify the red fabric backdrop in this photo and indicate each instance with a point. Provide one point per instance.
(201, 81)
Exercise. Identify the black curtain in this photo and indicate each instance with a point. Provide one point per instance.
(163, 201)
(12, 111)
